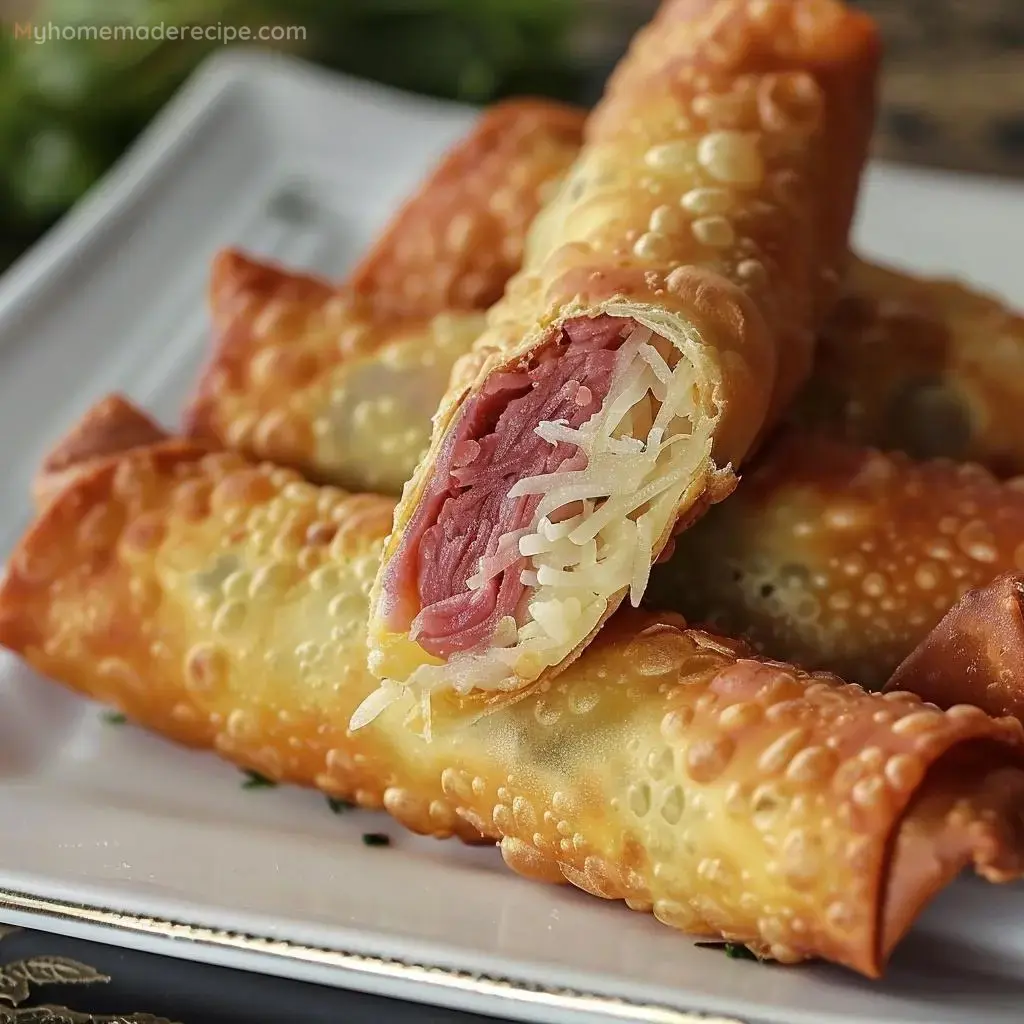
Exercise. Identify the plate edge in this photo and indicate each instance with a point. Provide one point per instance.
(127, 181)
(424, 975)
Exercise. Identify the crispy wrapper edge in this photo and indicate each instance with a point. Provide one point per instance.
(975, 654)
(110, 427)
(518, 148)
(661, 738)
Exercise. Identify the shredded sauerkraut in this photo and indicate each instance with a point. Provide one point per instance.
(594, 530)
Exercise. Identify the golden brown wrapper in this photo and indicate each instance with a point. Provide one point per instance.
(223, 605)
(341, 382)
(975, 655)
(763, 110)
(111, 426)
(922, 365)
(844, 558)
(710, 203)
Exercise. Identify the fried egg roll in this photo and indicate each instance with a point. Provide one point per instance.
(921, 365)
(844, 558)
(341, 382)
(975, 655)
(665, 315)
(223, 605)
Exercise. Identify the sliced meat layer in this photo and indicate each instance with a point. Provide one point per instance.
(460, 555)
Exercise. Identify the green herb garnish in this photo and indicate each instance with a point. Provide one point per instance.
(376, 839)
(733, 950)
(114, 717)
(253, 780)
(339, 806)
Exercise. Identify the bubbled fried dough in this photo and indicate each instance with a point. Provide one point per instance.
(922, 365)
(303, 376)
(223, 605)
(731, 137)
(341, 382)
(844, 558)
(780, 782)
(115, 585)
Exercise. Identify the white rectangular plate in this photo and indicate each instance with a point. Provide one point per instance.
(116, 835)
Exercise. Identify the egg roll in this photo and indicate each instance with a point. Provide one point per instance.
(665, 315)
(922, 365)
(223, 605)
(975, 654)
(841, 557)
(341, 383)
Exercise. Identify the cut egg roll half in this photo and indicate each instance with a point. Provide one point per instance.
(664, 317)
(223, 605)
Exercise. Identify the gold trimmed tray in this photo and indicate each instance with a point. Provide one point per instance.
(456, 988)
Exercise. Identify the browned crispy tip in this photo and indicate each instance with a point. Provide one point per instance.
(969, 812)
(975, 655)
(238, 280)
(111, 426)
(241, 286)
(72, 538)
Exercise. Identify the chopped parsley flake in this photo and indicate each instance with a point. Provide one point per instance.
(733, 950)
(376, 839)
(114, 717)
(339, 806)
(253, 780)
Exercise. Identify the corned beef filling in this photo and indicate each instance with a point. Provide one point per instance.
(466, 514)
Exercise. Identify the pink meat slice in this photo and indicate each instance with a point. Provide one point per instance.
(466, 509)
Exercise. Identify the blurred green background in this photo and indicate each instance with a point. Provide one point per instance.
(69, 108)
(953, 89)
